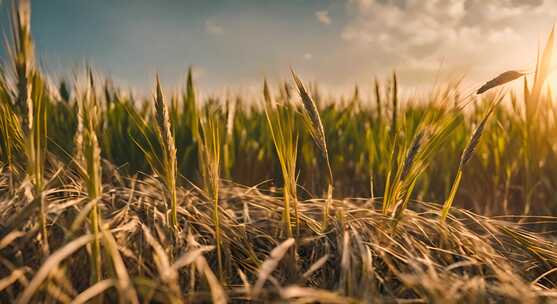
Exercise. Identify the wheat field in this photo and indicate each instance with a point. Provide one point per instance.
(284, 197)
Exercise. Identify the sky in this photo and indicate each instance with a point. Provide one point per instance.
(337, 43)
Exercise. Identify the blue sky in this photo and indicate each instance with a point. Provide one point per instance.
(335, 42)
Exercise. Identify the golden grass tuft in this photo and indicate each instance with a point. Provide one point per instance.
(281, 123)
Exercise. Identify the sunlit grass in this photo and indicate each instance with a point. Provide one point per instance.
(330, 200)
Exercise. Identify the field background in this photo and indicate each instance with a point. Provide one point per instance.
(447, 197)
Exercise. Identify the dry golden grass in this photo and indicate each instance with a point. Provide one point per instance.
(79, 228)
(366, 257)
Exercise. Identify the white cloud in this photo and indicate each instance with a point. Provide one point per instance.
(323, 17)
(213, 28)
(416, 34)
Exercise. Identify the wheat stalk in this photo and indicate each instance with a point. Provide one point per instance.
(169, 169)
(394, 105)
(229, 141)
(501, 79)
(318, 133)
(30, 102)
(378, 101)
(22, 54)
(211, 151)
(412, 152)
(465, 157)
(531, 105)
(88, 161)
